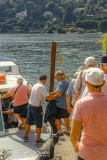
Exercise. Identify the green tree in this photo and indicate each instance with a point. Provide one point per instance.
(87, 24)
(59, 30)
(50, 30)
(72, 29)
(102, 25)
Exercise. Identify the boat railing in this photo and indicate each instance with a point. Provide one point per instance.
(2, 128)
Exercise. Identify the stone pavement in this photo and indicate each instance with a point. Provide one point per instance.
(64, 149)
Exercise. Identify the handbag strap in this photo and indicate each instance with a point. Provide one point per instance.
(17, 89)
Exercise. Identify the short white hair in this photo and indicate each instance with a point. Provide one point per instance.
(90, 62)
(20, 80)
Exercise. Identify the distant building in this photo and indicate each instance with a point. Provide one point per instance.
(21, 15)
(54, 19)
(48, 14)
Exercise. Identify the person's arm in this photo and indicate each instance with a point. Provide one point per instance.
(68, 103)
(29, 91)
(7, 112)
(69, 79)
(75, 133)
(52, 93)
(5, 96)
(52, 97)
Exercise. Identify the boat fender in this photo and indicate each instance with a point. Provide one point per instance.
(2, 78)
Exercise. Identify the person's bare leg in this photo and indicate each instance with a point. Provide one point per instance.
(66, 121)
(38, 132)
(17, 116)
(23, 122)
(57, 121)
(19, 119)
(27, 129)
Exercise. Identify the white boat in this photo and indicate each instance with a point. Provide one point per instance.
(12, 146)
(11, 72)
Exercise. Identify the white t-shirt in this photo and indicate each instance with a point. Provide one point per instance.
(104, 88)
(39, 92)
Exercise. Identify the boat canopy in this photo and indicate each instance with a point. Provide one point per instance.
(9, 66)
(5, 59)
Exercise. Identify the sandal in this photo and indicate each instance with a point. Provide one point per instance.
(60, 134)
(25, 139)
(68, 134)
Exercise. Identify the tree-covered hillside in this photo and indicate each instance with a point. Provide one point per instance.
(39, 15)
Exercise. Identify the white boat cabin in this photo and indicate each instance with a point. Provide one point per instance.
(9, 72)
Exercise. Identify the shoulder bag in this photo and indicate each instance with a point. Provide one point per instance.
(76, 95)
(11, 103)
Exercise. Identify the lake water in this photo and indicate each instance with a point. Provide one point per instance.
(32, 52)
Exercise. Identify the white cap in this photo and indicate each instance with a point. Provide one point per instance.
(94, 76)
(90, 61)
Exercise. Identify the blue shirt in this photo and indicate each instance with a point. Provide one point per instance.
(62, 87)
(70, 90)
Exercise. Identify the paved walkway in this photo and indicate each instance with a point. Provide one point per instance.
(64, 149)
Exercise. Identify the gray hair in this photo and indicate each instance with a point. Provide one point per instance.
(20, 80)
(90, 62)
(59, 73)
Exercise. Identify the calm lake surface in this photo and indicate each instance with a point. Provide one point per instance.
(32, 52)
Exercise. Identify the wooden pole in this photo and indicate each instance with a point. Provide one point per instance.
(52, 68)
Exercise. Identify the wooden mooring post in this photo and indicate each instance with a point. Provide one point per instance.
(52, 66)
(47, 149)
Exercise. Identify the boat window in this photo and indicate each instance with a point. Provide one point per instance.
(5, 69)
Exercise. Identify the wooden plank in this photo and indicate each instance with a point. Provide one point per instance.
(52, 66)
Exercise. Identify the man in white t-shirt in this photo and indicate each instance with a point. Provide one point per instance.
(103, 66)
(34, 114)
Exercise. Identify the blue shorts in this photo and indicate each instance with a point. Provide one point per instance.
(34, 116)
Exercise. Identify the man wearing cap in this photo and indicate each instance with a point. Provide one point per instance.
(91, 112)
(103, 67)
(80, 81)
(34, 115)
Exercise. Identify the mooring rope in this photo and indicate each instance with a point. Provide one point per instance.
(4, 154)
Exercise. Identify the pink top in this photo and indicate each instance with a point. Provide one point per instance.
(21, 96)
(92, 112)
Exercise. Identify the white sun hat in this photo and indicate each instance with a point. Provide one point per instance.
(94, 76)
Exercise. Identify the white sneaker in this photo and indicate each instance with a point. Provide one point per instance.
(19, 124)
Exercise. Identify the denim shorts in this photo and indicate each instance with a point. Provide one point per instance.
(34, 116)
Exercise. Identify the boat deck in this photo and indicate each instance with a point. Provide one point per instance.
(13, 143)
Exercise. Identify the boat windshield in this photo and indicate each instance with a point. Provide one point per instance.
(5, 69)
